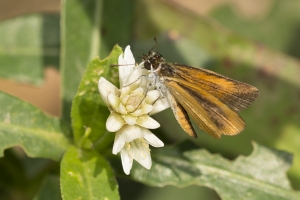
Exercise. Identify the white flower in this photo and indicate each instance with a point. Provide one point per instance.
(130, 107)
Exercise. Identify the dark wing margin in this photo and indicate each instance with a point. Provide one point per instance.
(237, 95)
(210, 114)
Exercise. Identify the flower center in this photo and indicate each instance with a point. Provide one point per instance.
(134, 102)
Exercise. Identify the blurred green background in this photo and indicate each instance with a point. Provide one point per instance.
(254, 41)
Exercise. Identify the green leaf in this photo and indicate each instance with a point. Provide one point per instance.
(87, 175)
(22, 124)
(262, 175)
(89, 113)
(27, 45)
(50, 189)
(90, 28)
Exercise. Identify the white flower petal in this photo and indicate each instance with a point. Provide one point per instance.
(137, 112)
(134, 79)
(126, 64)
(152, 96)
(129, 119)
(152, 139)
(124, 99)
(128, 88)
(105, 87)
(113, 100)
(130, 108)
(118, 143)
(114, 122)
(129, 133)
(147, 122)
(141, 153)
(126, 161)
(146, 109)
(128, 56)
(122, 78)
(121, 60)
(146, 162)
(138, 92)
(139, 149)
(122, 109)
(159, 106)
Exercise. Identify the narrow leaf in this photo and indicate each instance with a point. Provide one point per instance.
(89, 113)
(262, 175)
(24, 125)
(86, 175)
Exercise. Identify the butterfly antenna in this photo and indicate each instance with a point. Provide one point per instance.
(156, 43)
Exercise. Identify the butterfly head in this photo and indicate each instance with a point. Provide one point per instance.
(152, 59)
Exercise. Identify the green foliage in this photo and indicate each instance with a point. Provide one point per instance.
(244, 178)
(87, 175)
(89, 113)
(40, 135)
(89, 30)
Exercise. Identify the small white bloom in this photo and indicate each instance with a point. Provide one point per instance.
(130, 107)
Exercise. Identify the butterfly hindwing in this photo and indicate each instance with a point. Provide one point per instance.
(181, 116)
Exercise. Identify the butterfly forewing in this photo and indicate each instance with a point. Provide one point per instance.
(235, 94)
(210, 114)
